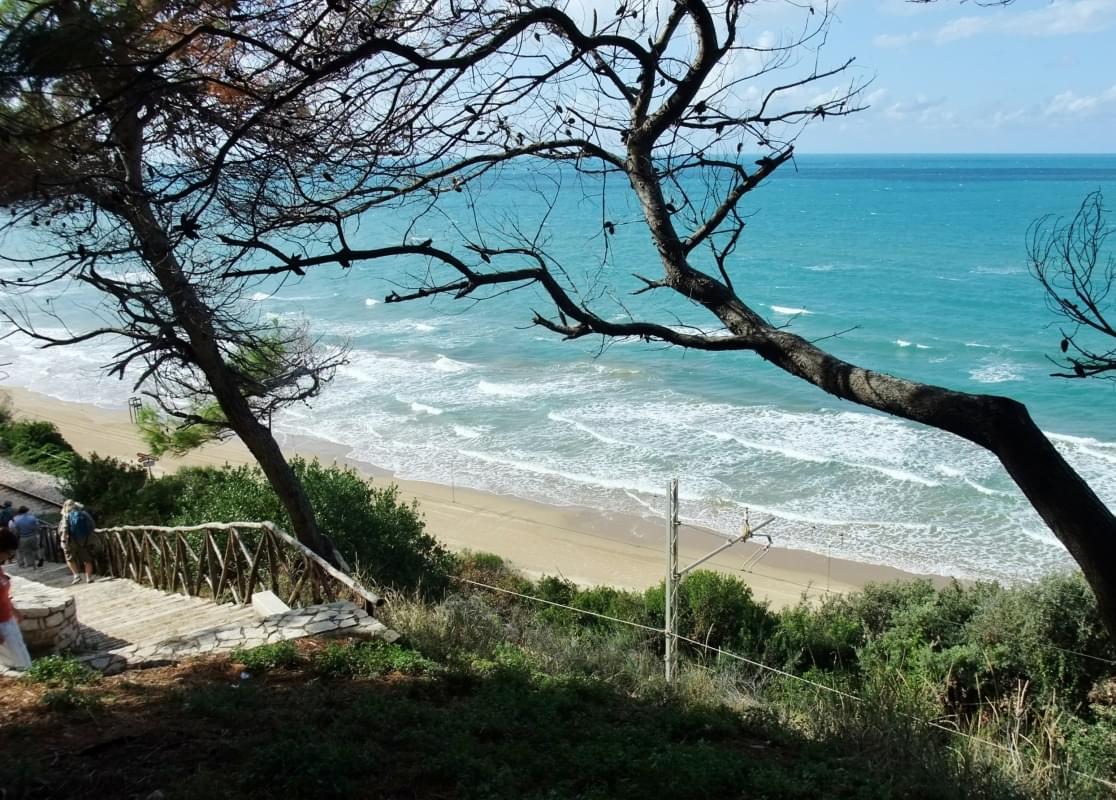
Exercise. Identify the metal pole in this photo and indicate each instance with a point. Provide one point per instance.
(670, 627)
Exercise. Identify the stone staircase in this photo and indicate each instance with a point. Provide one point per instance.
(125, 625)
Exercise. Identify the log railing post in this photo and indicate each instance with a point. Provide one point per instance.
(188, 558)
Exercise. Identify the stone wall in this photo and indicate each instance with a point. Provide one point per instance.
(50, 623)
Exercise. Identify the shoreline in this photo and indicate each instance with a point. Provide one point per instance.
(588, 546)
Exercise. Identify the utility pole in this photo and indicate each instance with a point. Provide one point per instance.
(674, 575)
(670, 602)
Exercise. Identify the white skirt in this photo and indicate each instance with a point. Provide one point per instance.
(13, 652)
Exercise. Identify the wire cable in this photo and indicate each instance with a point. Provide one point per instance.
(768, 668)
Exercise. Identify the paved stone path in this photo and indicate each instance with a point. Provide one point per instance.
(124, 624)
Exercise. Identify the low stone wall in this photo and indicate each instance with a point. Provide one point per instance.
(340, 618)
(50, 623)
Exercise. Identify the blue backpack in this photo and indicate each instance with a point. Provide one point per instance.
(80, 525)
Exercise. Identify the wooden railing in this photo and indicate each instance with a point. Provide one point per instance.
(227, 562)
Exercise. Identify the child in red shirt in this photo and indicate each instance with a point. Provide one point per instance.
(13, 652)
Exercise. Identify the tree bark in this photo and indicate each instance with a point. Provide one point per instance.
(194, 317)
(1066, 503)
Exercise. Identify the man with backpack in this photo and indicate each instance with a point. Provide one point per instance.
(76, 530)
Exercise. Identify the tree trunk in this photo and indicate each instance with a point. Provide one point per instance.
(1071, 509)
(194, 317)
(1002, 426)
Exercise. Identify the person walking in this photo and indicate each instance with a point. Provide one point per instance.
(76, 530)
(6, 514)
(25, 525)
(13, 651)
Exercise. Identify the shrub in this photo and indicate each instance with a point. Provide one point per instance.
(117, 493)
(36, 445)
(490, 570)
(60, 671)
(610, 602)
(717, 610)
(369, 659)
(280, 655)
(826, 637)
(382, 537)
(70, 698)
(452, 630)
(1051, 632)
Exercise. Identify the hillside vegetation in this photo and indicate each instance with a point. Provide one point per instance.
(901, 690)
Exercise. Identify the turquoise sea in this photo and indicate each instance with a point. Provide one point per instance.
(920, 261)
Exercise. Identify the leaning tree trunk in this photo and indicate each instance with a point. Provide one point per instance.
(1067, 504)
(1071, 509)
(195, 318)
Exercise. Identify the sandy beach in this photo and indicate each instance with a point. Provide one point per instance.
(585, 545)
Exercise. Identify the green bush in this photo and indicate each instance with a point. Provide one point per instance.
(60, 671)
(615, 603)
(369, 659)
(1049, 634)
(717, 610)
(488, 569)
(382, 537)
(825, 637)
(117, 493)
(36, 445)
(280, 655)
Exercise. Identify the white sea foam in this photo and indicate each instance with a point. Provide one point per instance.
(979, 345)
(785, 452)
(916, 345)
(633, 485)
(997, 372)
(446, 364)
(422, 327)
(371, 301)
(259, 296)
(422, 408)
(467, 432)
(503, 389)
(789, 311)
(583, 428)
(897, 474)
(1086, 441)
(985, 490)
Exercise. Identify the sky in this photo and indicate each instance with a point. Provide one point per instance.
(1032, 77)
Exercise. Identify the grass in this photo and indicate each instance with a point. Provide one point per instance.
(503, 729)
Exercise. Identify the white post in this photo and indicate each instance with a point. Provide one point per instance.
(670, 596)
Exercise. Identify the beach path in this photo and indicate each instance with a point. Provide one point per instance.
(119, 616)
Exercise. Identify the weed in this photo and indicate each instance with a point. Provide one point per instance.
(367, 659)
(60, 671)
(70, 698)
(280, 655)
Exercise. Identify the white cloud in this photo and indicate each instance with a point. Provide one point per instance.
(874, 98)
(1071, 104)
(923, 108)
(1060, 18)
